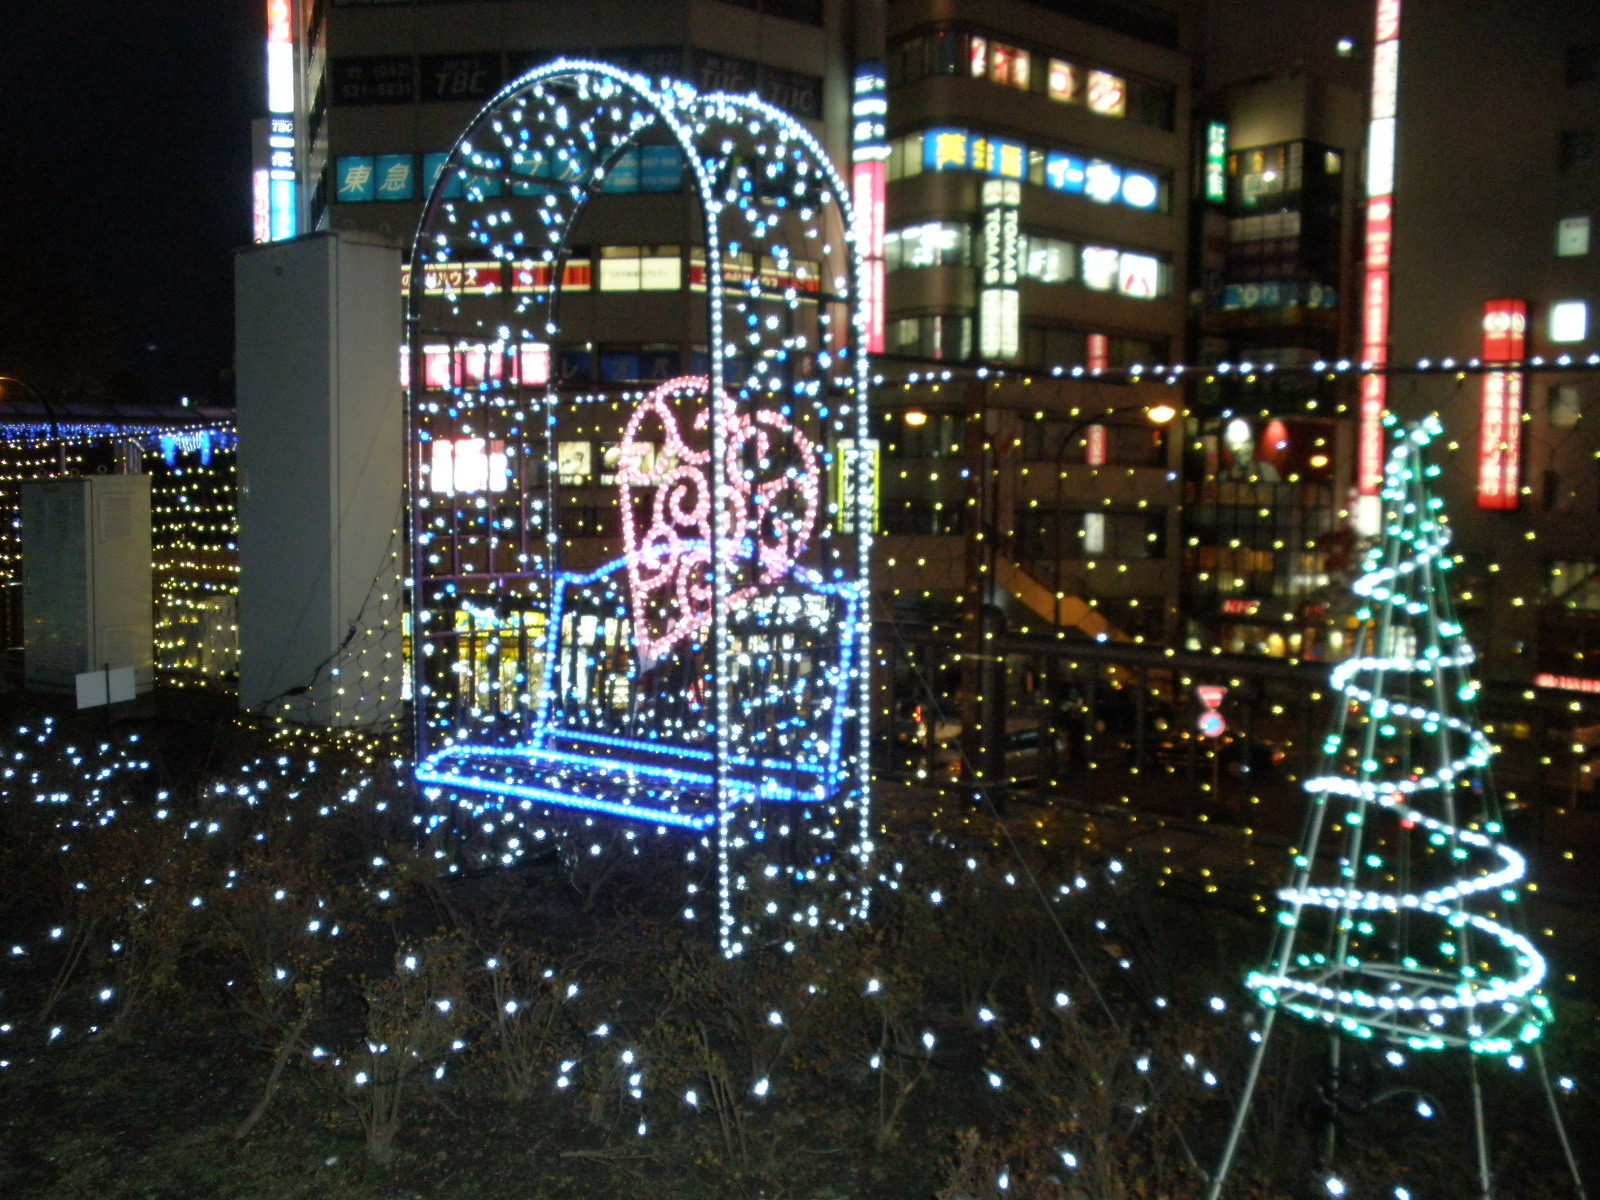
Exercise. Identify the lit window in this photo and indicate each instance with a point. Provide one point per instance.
(468, 465)
(574, 462)
(936, 244)
(1572, 237)
(945, 149)
(640, 269)
(1100, 267)
(533, 363)
(1063, 81)
(1140, 276)
(1569, 321)
(1049, 260)
(1008, 65)
(1108, 94)
(1094, 533)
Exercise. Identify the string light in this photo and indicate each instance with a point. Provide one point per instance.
(1405, 768)
(688, 648)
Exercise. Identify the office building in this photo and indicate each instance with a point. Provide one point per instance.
(1037, 200)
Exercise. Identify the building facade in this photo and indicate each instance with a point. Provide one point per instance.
(1037, 201)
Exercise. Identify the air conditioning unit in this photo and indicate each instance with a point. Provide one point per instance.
(86, 580)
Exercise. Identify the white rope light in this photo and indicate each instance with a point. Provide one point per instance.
(683, 644)
(1402, 956)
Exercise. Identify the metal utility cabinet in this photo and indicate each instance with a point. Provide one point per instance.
(86, 579)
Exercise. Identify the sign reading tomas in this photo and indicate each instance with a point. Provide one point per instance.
(677, 636)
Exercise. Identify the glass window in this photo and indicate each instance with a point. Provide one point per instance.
(1261, 174)
(1139, 275)
(1062, 83)
(1107, 94)
(1150, 104)
(1572, 237)
(1100, 267)
(935, 337)
(1564, 407)
(1008, 66)
(946, 150)
(1574, 585)
(1569, 321)
(1102, 181)
(640, 269)
(936, 244)
(574, 462)
(1140, 190)
(468, 465)
(1049, 260)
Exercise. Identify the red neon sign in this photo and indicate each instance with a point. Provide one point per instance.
(1567, 683)
(869, 181)
(278, 25)
(1379, 238)
(1505, 337)
(1094, 446)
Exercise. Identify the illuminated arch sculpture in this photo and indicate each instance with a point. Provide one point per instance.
(676, 634)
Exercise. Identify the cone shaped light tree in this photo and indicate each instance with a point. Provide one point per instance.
(1402, 934)
(1398, 924)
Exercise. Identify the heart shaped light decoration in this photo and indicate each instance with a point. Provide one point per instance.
(767, 516)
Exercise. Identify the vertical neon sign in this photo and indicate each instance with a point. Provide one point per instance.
(280, 199)
(869, 156)
(1505, 339)
(1216, 173)
(1380, 229)
(999, 319)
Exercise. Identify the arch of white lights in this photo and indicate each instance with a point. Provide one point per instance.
(760, 179)
(1403, 1002)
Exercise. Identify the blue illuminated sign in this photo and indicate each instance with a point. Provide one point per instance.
(1064, 172)
(432, 164)
(283, 218)
(395, 176)
(355, 178)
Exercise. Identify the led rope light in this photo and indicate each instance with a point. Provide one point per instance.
(1368, 982)
(714, 660)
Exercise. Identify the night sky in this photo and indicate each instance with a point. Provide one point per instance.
(124, 165)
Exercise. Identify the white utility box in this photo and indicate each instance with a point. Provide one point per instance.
(86, 581)
(321, 474)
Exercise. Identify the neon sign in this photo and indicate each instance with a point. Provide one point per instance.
(1379, 228)
(999, 303)
(1505, 326)
(275, 200)
(870, 153)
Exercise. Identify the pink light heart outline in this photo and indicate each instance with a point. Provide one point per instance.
(672, 558)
